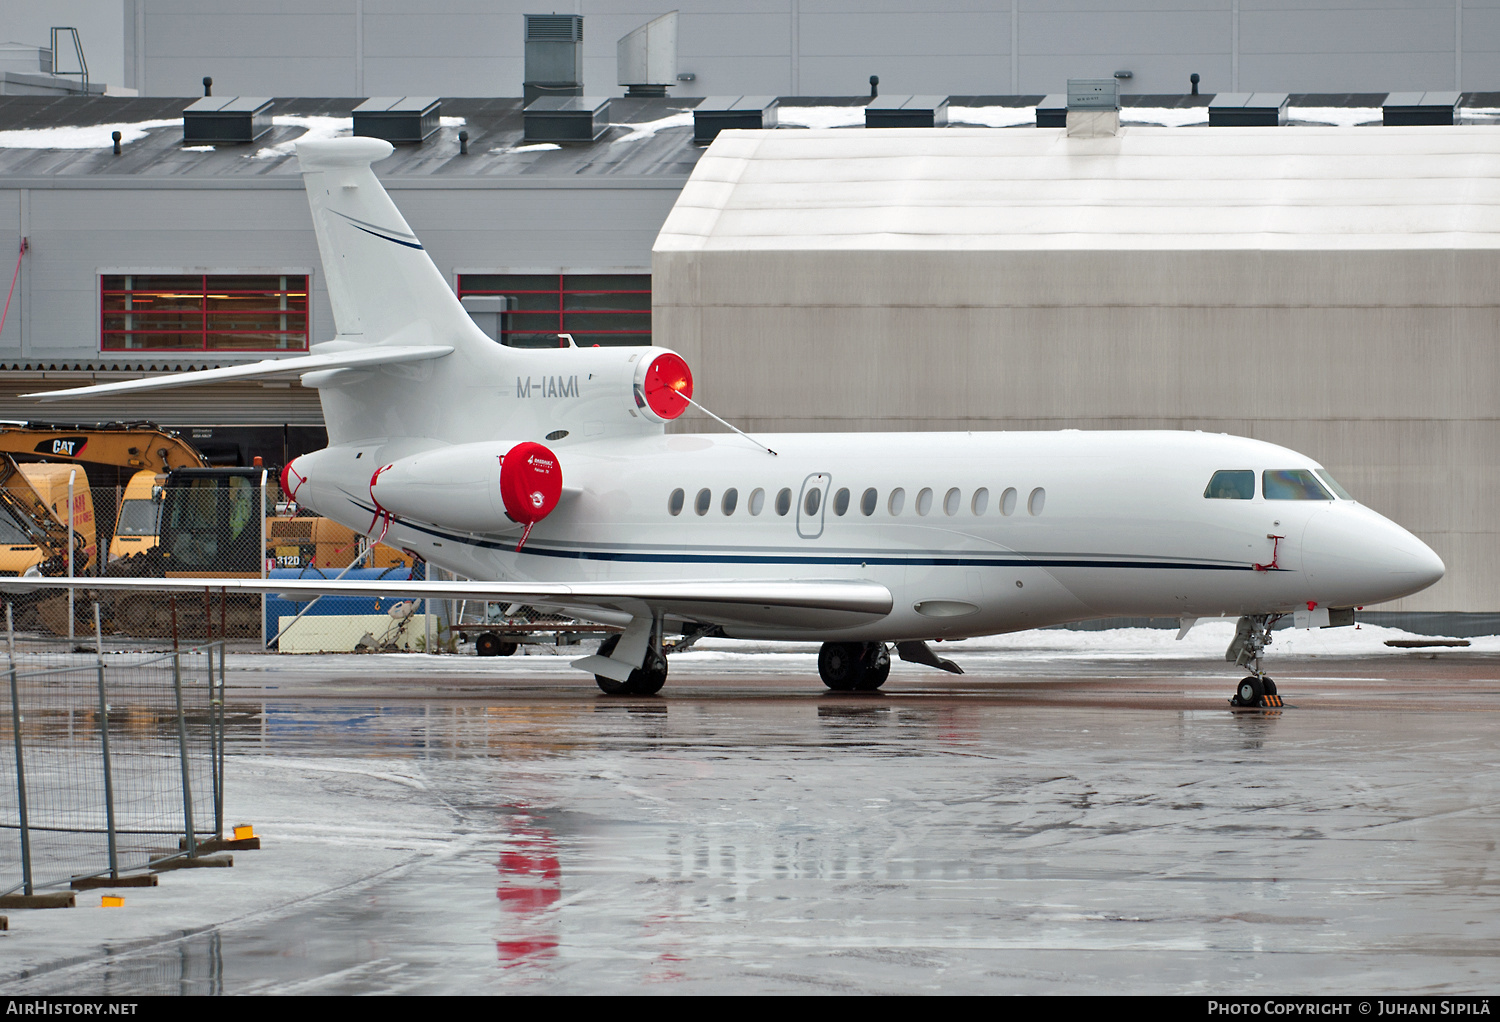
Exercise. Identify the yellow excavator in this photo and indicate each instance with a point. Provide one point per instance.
(172, 509)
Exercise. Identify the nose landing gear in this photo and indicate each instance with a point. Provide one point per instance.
(854, 666)
(1251, 638)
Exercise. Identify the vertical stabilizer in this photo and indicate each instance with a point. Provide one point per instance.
(382, 284)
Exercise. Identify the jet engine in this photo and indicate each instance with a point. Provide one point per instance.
(479, 487)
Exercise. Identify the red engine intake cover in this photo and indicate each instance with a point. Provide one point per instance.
(530, 482)
(668, 380)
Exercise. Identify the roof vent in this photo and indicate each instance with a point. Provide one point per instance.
(720, 113)
(400, 120)
(907, 112)
(1248, 109)
(1093, 107)
(566, 118)
(647, 57)
(554, 55)
(1420, 108)
(220, 120)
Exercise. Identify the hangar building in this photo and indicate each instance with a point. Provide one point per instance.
(1329, 289)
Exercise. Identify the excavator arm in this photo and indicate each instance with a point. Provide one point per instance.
(139, 447)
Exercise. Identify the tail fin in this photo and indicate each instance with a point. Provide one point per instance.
(382, 284)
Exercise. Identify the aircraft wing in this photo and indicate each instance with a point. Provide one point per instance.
(813, 602)
(263, 370)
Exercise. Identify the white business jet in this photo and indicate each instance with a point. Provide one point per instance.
(548, 477)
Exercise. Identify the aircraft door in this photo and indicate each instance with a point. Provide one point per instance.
(811, 505)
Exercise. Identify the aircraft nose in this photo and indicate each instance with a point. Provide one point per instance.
(1355, 556)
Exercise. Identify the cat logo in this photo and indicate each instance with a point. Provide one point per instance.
(63, 446)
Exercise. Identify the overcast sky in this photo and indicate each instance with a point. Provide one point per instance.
(101, 23)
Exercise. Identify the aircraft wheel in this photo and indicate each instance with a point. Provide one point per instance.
(646, 680)
(877, 667)
(839, 665)
(489, 644)
(1269, 686)
(1250, 691)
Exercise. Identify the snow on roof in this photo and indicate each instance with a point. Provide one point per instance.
(956, 189)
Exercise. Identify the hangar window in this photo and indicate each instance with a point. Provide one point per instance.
(1292, 484)
(868, 501)
(203, 312)
(784, 502)
(674, 503)
(1231, 485)
(596, 308)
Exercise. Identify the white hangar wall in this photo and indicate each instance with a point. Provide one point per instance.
(1333, 290)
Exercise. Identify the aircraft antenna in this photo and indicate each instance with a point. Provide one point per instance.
(741, 432)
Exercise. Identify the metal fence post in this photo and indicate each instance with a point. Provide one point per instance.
(213, 745)
(187, 785)
(219, 763)
(109, 784)
(71, 476)
(15, 721)
(264, 573)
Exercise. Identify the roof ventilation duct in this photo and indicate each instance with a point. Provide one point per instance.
(1248, 109)
(400, 120)
(1420, 108)
(1093, 107)
(647, 57)
(218, 120)
(554, 55)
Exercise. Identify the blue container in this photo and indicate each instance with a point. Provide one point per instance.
(278, 608)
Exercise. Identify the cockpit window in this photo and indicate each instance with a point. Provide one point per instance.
(1292, 484)
(1333, 484)
(1231, 484)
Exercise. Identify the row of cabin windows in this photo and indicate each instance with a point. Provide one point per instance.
(869, 501)
(1275, 484)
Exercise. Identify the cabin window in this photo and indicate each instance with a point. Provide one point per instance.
(203, 312)
(924, 500)
(730, 502)
(981, 501)
(784, 502)
(1036, 501)
(868, 501)
(1231, 484)
(841, 503)
(897, 501)
(1333, 484)
(674, 503)
(811, 501)
(757, 500)
(1008, 501)
(1292, 484)
(701, 504)
(529, 310)
(952, 500)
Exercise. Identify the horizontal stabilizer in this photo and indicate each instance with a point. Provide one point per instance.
(709, 600)
(267, 369)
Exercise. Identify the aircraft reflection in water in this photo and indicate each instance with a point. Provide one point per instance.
(576, 498)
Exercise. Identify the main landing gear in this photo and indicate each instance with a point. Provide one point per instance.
(1251, 638)
(854, 666)
(645, 680)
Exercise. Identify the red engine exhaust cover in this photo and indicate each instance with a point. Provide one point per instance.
(530, 483)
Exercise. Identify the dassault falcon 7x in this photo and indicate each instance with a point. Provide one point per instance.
(549, 478)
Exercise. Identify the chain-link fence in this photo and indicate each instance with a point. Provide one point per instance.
(232, 522)
(116, 760)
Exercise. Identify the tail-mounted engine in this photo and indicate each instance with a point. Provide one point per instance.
(480, 488)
